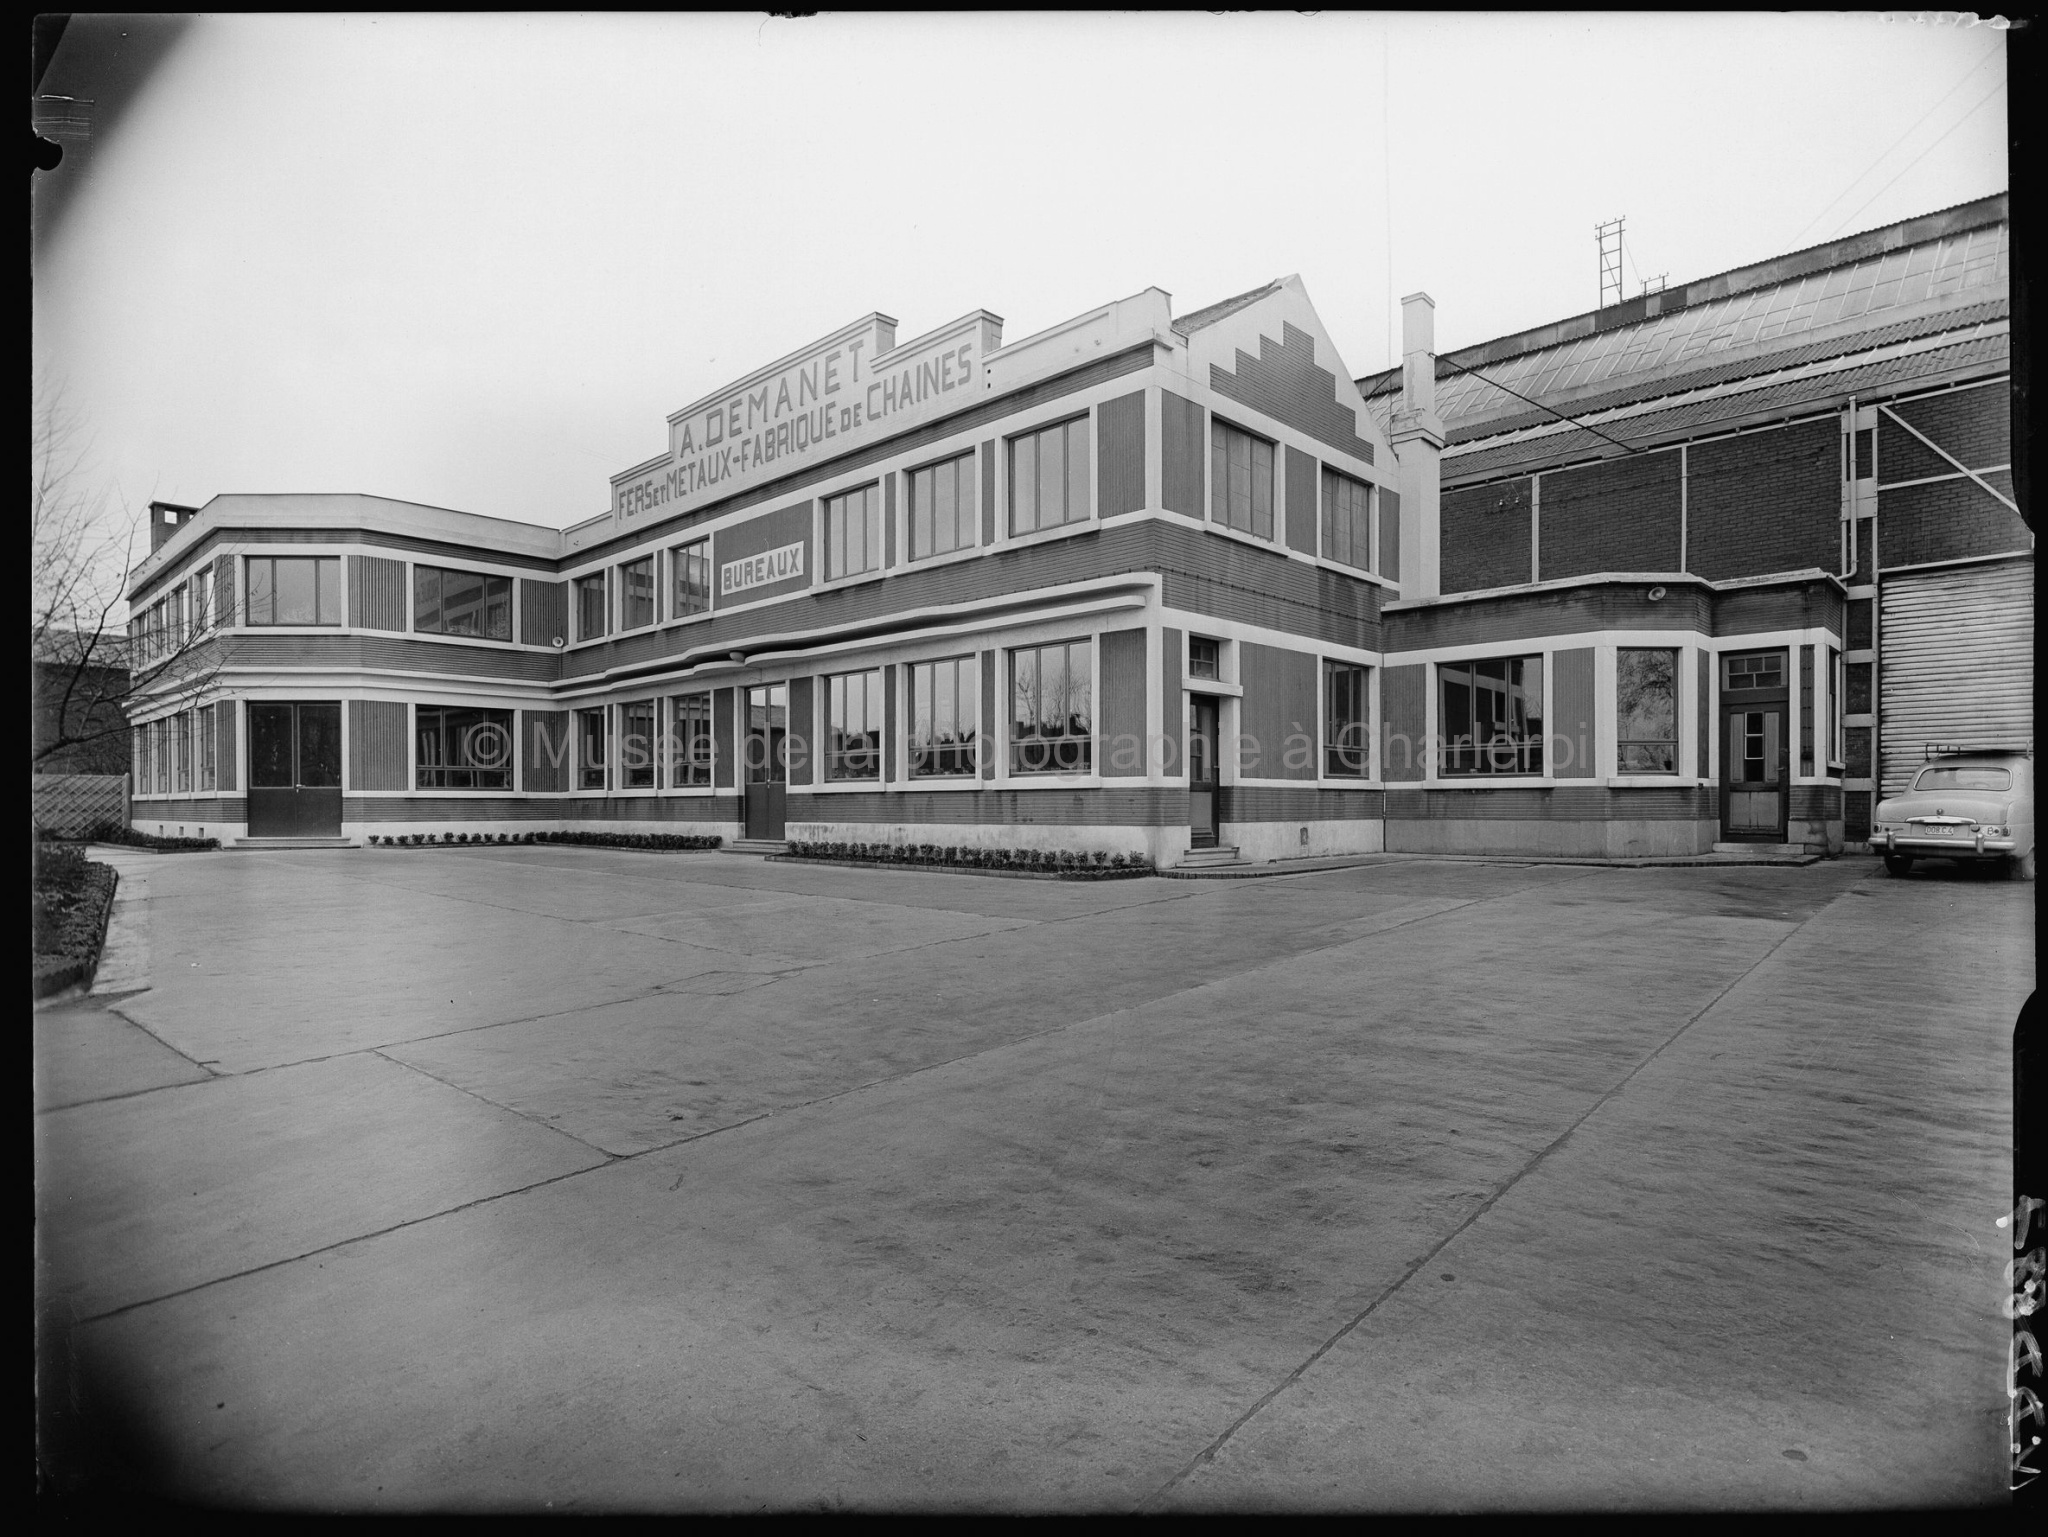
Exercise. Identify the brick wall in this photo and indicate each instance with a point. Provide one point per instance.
(1761, 502)
(1975, 425)
(1485, 536)
(1285, 382)
(1621, 515)
(1947, 520)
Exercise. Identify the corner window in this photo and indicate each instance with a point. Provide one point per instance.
(1049, 477)
(853, 533)
(690, 748)
(853, 726)
(1347, 520)
(1205, 658)
(1491, 716)
(461, 603)
(592, 620)
(1052, 713)
(1347, 725)
(590, 749)
(1646, 711)
(462, 749)
(943, 717)
(942, 512)
(637, 744)
(636, 593)
(294, 590)
(690, 579)
(1240, 480)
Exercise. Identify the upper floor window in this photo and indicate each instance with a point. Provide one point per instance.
(942, 717)
(1049, 477)
(853, 533)
(461, 603)
(1491, 716)
(462, 749)
(297, 589)
(690, 570)
(1240, 480)
(202, 603)
(1646, 711)
(1052, 713)
(1205, 658)
(636, 593)
(853, 726)
(942, 516)
(1347, 520)
(592, 617)
(1347, 720)
(690, 749)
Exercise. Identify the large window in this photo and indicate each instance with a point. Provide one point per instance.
(461, 603)
(853, 726)
(181, 753)
(590, 749)
(942, 514)
(636, 593)
(1646, 711)
(463, 749)
(853, 533)
(202, 603)
(942, 717)
(1052, 713)
(1049, 477)
(294, 589)
(689, 763)
(160, 751)
(1491, 716)
(1347, 723)
(637, 745)
(144, 767)
(1835, 685)
(209, 741)
(1347, 520)
(690, 579)
(1240, 480)
(592, 620)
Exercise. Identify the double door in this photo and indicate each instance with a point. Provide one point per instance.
(765, 758)
(295, 770)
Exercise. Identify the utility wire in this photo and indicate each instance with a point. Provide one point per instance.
(1539, 405)
(1881, 191)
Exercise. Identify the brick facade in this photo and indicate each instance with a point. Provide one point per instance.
(1618, 516)
(1766, 501)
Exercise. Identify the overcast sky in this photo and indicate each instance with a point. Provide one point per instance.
(475, 261)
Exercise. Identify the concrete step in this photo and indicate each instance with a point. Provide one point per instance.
(1759, 848)
(758, 846)
(293, 843)
(1209, 859)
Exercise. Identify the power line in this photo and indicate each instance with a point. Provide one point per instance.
(1881, 191)
(1961, 81)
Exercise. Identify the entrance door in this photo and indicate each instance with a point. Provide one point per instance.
(1203, 792)
(767, 759)
(1755, 750)
(294, 770)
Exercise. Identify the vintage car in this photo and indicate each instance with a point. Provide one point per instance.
(1972, 807)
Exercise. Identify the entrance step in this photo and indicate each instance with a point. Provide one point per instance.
(1759, 848)
(758, 846)
(1209, 859)
(293, 843)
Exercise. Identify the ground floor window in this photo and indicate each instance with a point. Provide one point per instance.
(690, 749)
(181, 753)
(1347, 725)
(209, 744)
(942, 717)
(853, 725)
(590, 749)
(1052, 711)
(637, 744)
(463, 749)
(1646, 711)
(159, 749)
(1490, 716)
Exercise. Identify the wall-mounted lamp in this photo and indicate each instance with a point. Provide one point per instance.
(1656, 595)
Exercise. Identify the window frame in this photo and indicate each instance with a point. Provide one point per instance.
(1529, 764)
(876, 546)
(684, 764)
(968, 746)
(1219, 425)
(1676, 741)
(678, 557)
(1361, 522)
(1016, 745)
(1082, 425)
(446, 768)
(1331, 747)
(249, 565)
(643, 776)
(206, 758)
(966, 504)
(650, 565)
(579, 587)
(1204, 677)
(836, 757)
(593, 777)
(441, 573)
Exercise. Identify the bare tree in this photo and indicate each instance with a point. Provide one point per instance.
(87, 674)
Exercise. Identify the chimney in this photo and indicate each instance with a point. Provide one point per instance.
(1418, 437)
(165, 519)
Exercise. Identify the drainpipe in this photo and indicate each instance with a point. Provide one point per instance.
(1418, 438)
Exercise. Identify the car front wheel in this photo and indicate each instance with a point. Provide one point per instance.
(1898, 864)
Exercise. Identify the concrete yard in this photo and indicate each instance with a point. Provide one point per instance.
(563, 1178)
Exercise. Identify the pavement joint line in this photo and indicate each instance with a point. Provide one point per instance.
(414, 1067)
(613, 1160)
(1207, 1455)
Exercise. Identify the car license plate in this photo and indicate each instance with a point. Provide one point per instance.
(1939, 832)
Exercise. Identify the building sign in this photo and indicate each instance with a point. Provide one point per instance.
(761, 570)
(853, 386)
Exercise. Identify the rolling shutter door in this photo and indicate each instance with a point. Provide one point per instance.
(1955, 663)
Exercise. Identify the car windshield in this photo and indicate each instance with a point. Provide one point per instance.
(1964, 779)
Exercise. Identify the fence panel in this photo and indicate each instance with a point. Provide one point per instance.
(74, 804)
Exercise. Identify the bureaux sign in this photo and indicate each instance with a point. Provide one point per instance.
(854, 385)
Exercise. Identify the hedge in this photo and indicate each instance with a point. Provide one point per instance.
(1066, 864)
(668, 841)
(73, 898)
(117, 832)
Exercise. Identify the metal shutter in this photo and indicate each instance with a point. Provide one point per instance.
(1955, 663)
